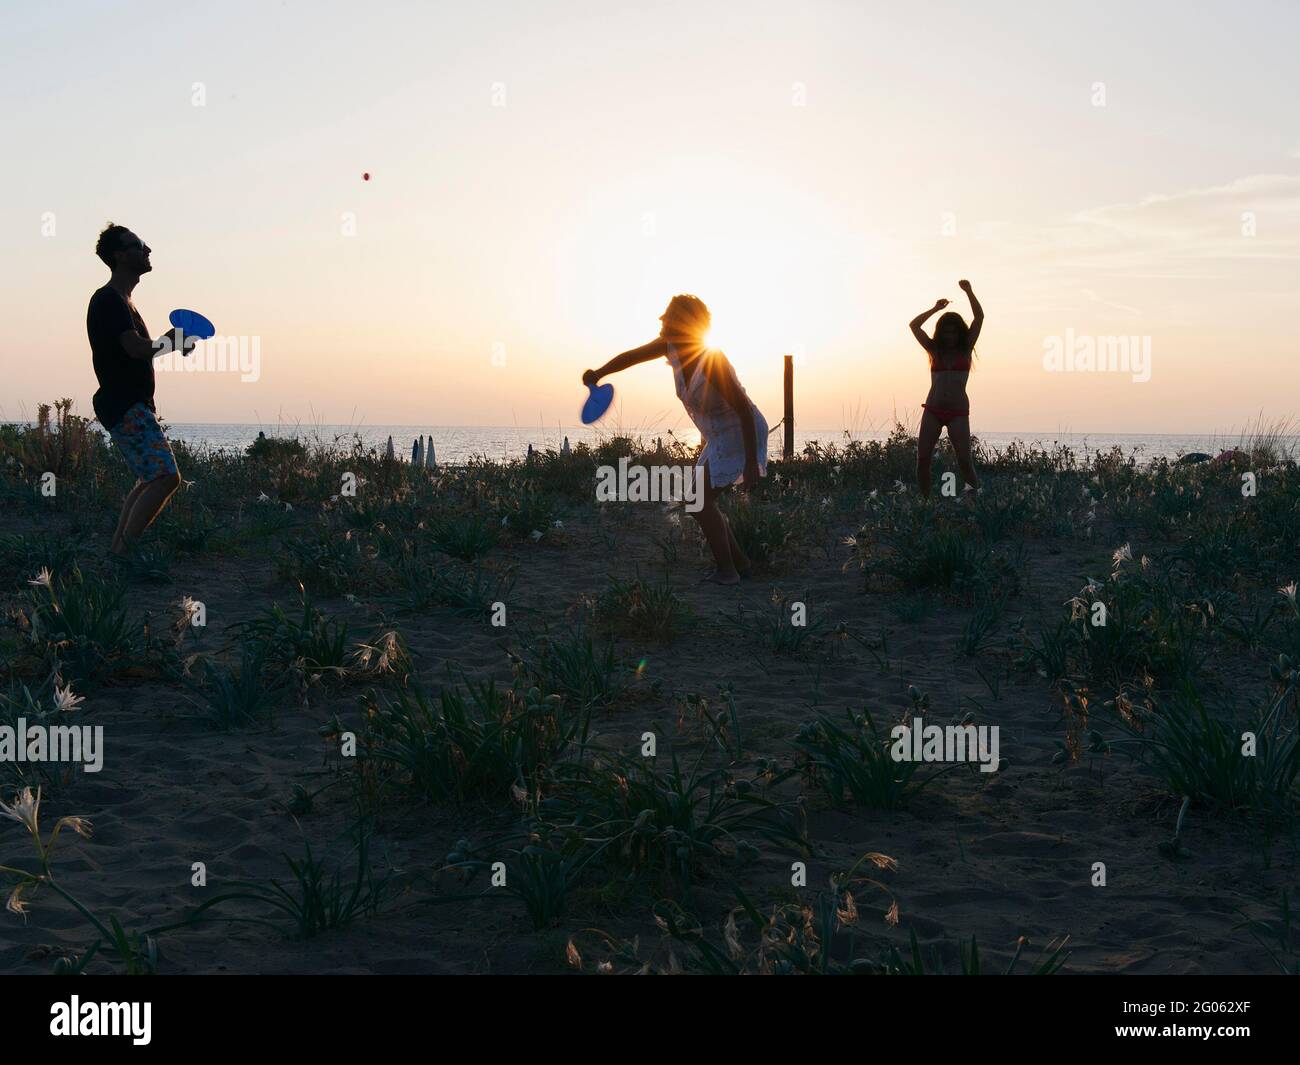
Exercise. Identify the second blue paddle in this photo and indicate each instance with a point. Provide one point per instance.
(597, 403)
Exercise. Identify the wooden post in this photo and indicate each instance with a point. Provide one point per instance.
(787, 452)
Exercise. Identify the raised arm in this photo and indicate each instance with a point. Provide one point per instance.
(919, 321)
(977, 312)
(656, 349)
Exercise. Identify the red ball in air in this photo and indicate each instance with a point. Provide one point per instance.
(365, 177)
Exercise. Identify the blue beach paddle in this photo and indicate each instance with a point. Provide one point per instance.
(597, 403)
(193, 323)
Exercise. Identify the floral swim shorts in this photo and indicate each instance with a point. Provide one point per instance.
(141, 442)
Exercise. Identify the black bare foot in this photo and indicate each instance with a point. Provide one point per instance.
(124, 562)
(714, 577)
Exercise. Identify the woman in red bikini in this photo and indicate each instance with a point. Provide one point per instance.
(951, 350)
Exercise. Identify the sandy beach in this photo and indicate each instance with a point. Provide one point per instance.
(722, 678)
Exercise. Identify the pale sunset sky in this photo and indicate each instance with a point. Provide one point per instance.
(544, 176)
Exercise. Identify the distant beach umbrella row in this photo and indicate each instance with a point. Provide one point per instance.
(422, 453)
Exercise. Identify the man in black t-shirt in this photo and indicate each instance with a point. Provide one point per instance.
(123, 356)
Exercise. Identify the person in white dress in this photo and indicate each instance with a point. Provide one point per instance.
(733, 429)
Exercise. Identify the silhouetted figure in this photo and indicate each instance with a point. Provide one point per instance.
(733, 429)
(123, 355)
(951, 351)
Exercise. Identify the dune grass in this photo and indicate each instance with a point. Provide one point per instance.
(1177, 637)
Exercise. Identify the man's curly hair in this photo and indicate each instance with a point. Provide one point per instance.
(110, 240)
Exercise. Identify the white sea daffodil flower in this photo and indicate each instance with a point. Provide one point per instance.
(80, 825)
(65, 700)
(1288, 592)
(42, 579)
(15, 903)
(25, 809)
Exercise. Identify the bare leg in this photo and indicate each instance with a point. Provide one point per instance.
(715, 531)
(738, 556)
(718, 533)
(927, 436)
(959, 435)
(117, 547)
(148, 505)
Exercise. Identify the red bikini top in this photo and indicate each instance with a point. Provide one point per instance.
(961, 367)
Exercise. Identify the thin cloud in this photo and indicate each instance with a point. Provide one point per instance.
(1213, 232)
(1256, 217)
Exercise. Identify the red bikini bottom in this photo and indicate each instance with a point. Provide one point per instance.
(945, 414)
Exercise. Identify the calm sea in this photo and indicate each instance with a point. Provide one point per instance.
(459, 443)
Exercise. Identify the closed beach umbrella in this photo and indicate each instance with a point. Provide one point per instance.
(388, 455)
(430, 462)
(565, 449)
